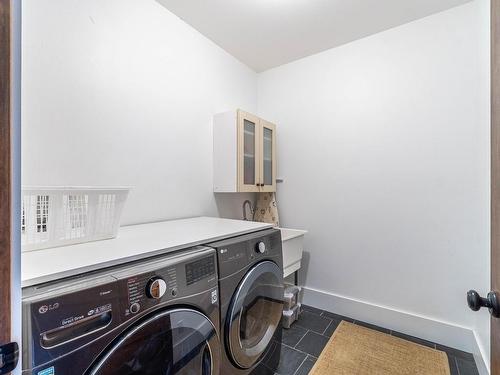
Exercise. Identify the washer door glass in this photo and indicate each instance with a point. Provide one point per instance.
(255, 313)
(180, 341)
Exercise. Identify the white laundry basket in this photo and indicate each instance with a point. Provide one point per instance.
(58, 216)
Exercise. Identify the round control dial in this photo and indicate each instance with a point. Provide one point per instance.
(260, 247)
(156, 288)
(134, 308)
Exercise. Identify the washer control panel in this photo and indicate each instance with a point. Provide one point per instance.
(146, 289)
(200, 269)
(158, 281)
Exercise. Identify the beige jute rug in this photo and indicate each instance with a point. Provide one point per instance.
(356, 350)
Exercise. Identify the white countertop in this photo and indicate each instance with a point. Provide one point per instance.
(133, 242)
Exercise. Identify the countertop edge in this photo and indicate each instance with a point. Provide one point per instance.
(119, 261)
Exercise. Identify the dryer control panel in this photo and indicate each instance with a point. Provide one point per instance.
(237, 253)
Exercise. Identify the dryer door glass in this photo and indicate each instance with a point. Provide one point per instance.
(179, 341)
(255, 313)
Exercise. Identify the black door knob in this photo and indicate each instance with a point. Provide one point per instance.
(492, 302)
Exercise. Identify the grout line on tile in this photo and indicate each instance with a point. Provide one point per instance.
(298, 350)
(298, 342)
(307, 354)
(328, 326)
(298, 368)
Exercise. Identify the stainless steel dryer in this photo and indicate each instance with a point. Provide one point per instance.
(151, 317)
(251, 301)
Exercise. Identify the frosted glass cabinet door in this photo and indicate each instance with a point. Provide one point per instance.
(268, 162)
(248, 152)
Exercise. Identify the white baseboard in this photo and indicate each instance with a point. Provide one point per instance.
(444, 333)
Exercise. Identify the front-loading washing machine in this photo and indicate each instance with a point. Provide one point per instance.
(150, 317)
(251, 302)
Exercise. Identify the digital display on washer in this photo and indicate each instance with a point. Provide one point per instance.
(200, 269)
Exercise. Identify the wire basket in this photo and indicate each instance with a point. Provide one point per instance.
(59, 216)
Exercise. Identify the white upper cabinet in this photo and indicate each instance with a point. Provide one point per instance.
(244, 153)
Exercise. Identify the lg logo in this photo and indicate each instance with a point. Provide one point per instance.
(44, 308)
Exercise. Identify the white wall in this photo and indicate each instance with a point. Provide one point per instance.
(122, 92)
(384, 148)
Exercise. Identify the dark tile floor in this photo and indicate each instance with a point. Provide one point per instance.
(304, 341)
